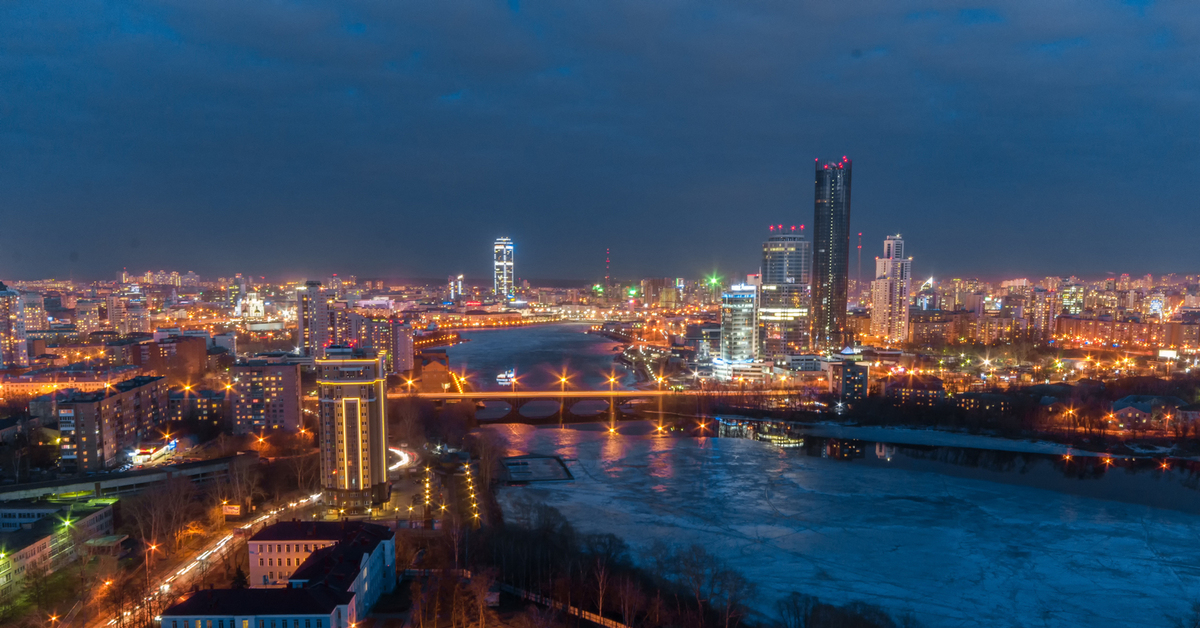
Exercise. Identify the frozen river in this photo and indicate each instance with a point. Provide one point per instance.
(953, 548)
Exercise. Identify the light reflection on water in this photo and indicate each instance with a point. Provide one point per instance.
(539, 353)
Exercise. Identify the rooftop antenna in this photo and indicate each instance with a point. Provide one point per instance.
(858, 282)
(607, 284)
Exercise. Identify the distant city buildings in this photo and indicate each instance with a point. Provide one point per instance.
(889, 293)
(352, 392)
(502, 269)
(831, 254)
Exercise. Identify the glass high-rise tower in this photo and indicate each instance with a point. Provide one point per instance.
(502, 268)
(784, 297)
(831, 254)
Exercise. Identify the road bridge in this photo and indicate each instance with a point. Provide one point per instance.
(582, 405)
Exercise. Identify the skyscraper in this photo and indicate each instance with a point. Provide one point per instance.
(784, 298)
(739, 324)
(831, 254)
(502, 266)
(13, 352)
(353, 395)
(787, 257)
(889, 292)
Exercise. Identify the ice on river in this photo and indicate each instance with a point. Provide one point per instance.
(953, 551)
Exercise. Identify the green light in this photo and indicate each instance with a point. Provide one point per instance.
(632, 292)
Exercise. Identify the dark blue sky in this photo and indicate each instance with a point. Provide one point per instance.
(398, 138)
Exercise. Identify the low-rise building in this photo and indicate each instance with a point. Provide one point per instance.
(915, 390)
(46, 536)
(315, 574)
(263, 608)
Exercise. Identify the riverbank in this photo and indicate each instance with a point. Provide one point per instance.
(939, 438)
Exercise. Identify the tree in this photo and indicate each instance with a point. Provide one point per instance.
(240, 579)
(36, 584)
(630, 600)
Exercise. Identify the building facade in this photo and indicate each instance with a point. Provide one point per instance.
(502, 269)
(264, 397)
(313, 325)
(831, 255)
(889, 292)
(99, 428)
(352, 391)
(13, 351)
(739, 323)
(783, 309)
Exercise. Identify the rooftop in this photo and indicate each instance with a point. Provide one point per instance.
(324, 530)
(234, 602)
(338, 565)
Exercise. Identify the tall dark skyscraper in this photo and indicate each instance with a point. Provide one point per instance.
(831, 254)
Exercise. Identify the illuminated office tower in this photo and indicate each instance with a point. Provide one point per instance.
(784, 298)
(502, 266)
(13, 352)
(739, 324)
(889, 292)
(352, 392)
(831, 254)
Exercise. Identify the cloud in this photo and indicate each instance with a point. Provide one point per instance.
(233, 136)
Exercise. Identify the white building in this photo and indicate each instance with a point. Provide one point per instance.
(889, 292)
(502, 269)
(739, 323)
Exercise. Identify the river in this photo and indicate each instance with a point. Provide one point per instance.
(956, 537)
(539, 353)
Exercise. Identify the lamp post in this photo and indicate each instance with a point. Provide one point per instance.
(562, 400)
(149, 548)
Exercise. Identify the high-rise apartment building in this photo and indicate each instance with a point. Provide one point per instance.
(889, 292)
(388, 335)
(99, 427)
(35, 311)
(831, 254)
(313, 329)
(352, 391)
(739, 324)
(265, 397)
(13, 350)
(783, 307)
(1071, 296)
(87, 315)
(502, 268)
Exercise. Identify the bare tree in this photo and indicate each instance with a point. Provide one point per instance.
(601, 573)
(630, 599)
(481, 583)
(795, 609)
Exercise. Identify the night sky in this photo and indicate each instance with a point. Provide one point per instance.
(397, 138)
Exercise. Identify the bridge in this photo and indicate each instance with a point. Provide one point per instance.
(579, 405)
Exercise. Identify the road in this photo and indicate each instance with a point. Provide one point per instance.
(183, 578)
